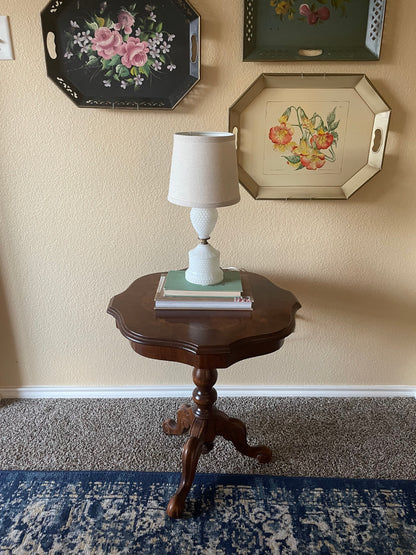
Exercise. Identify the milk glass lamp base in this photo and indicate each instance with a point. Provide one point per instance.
(204, 266)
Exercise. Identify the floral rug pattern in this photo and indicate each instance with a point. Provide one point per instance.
(124, 513)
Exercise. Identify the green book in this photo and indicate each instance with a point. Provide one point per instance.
(176, 285)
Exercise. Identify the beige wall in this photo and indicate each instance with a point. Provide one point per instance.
(83, 212)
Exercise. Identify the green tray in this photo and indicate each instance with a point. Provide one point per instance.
(315, 30)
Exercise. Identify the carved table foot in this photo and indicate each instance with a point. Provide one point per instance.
(190, 456)
(184, 419)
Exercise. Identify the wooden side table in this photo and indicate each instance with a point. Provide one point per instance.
(206, 340)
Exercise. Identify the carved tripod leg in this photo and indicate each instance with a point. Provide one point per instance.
(184, 419)
(235, 430)
(202, 433)
(190, 456)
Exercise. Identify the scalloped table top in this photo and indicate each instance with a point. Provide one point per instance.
(204, 339)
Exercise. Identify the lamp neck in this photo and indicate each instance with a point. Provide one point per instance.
(204, 220)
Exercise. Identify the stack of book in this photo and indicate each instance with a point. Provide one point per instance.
(175, 293)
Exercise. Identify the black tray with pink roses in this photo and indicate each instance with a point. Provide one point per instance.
(115, 54)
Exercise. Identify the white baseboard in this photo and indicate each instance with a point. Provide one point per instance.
(137, 392)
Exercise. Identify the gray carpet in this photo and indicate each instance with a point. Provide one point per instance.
(350, 438)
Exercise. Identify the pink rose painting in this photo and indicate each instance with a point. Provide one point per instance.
(108, 43)
(124, 49)
(125, 22)
(135, 53)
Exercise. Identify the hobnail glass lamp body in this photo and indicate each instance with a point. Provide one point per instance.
(204, 260)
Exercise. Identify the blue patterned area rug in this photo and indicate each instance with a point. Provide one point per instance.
(124, 513)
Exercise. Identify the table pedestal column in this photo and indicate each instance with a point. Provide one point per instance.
(204, 422)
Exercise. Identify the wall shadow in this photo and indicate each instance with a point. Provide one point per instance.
(395, 307)
(9, 363)
(361, 334)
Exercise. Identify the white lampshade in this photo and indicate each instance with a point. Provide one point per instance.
(204, 170)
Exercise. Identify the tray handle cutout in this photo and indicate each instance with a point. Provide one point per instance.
(51, 45)
(377, 140)
(310, 53)
(194, 47)
(235, 132)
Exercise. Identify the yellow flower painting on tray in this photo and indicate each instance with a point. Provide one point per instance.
(305, 141)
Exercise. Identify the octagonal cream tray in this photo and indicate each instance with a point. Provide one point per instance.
(309, 136)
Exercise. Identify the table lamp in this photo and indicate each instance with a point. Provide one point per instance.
(204, 177)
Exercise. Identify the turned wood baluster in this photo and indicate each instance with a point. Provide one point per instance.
(204, 396)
